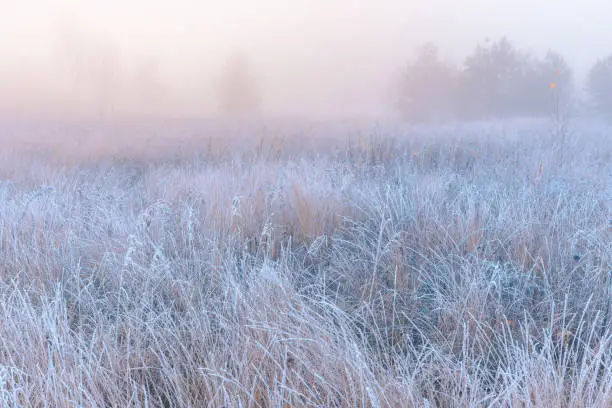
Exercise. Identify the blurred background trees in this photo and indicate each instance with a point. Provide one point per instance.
(238, 94)
(427, 88)
(492, 80)
(496, 80)
(599, 87)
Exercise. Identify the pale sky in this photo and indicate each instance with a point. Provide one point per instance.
(308, 55)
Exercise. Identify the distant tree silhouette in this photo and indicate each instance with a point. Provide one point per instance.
(493, 79)
(237, 91)
(496, 80)
(548, 85)
(150, 91)
(427, 87)
(599, 87)
(499, 80)
(93, 64)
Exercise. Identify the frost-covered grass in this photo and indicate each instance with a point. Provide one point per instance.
(447, 267)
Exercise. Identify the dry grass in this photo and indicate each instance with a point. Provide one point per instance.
(436, 268)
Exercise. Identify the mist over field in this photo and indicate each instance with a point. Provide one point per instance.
(300, 203)
(337, 58)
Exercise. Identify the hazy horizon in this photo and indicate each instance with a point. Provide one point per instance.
(309, 57)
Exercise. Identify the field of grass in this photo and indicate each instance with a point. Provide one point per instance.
(455, 267)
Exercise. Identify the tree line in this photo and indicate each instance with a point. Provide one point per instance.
(498, 80)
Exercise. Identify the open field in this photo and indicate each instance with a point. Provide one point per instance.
(321, 265)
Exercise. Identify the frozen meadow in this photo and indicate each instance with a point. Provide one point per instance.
(292, 265)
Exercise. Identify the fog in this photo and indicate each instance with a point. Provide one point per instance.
(159, 58)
